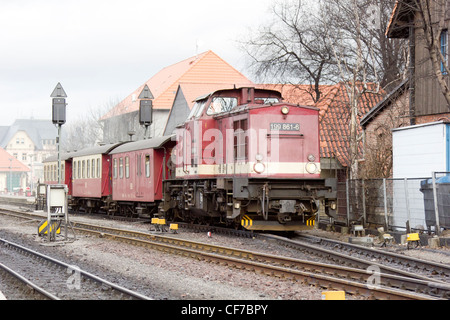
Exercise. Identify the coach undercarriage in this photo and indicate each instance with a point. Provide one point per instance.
(254, 204)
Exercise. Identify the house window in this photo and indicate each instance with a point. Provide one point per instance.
(444, 50)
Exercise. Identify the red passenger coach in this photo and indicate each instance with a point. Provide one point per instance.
(138, 172)
(91, 177)
(51, 170)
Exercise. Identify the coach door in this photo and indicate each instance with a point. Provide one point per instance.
(139, 175)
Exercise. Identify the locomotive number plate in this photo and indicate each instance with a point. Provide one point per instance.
(285, 127)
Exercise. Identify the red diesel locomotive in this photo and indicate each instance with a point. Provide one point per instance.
(242, 158)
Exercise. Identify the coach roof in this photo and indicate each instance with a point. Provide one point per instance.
(154, 143)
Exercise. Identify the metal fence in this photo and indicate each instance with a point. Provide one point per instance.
(410, 203)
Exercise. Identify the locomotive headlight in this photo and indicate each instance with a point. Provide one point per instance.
(333, 205)
(311, 167)
(285, 110)
(259, 167)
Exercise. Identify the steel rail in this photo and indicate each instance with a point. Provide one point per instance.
(397, 279)
(82, 272)
(383, 255)
(265, 263)
(28, 283)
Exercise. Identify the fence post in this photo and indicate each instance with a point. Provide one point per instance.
(408, 214)
(385, 204)
(364, 202)
(436, 206)
(348, 201)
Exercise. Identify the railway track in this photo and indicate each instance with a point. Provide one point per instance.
(51, 279)
(330, 276)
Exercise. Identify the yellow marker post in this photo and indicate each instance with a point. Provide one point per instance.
(333, 295)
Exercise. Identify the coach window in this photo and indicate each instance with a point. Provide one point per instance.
(79, 170)
(127, 167)
(115, 168)
(63, 173)
(74, 173)
(147, 165)
(93, 168)
(98, 168)
(88, 169)
(121, 168)
(83, 171)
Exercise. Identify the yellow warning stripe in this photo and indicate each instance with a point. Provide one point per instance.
(43, 227)
(311, 222)
(246, 222)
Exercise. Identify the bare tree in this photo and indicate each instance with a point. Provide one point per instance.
(293, 48)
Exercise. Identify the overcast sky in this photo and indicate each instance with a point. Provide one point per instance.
(102, 50)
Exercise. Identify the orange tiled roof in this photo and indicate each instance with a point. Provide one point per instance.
(203, 68)
(335, 120)
(5, 164)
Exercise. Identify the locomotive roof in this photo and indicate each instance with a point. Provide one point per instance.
(276, 93)
(154, 143)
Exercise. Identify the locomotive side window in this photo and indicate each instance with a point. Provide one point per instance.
(147, 165)
(221, 104)
(127, 167)
(240, 139)
(121, 168)
(115, 168)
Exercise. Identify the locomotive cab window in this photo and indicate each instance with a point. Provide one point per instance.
(221, 104)
(197, 109)
(240, 139)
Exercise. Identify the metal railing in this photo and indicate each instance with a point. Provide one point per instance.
(409, 203)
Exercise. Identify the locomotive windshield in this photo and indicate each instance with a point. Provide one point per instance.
(267, 100)
(197, 109)
(221, 104)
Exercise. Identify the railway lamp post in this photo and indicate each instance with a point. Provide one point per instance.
(59, 118)
(146, 109)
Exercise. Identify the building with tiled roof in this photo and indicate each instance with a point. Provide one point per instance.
(13, 173)
(335, 115)
(30, 141)
(196, 75)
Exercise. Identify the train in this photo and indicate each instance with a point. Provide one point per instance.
(244, 158)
